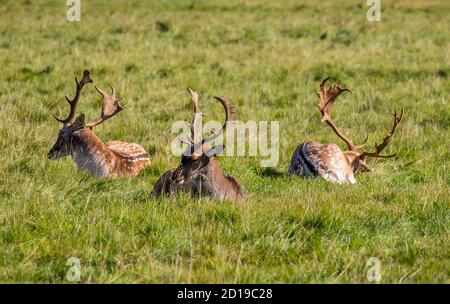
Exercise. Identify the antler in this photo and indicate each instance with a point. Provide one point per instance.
(326, 101)
(74, 102)
(197, 114)
(110, 107)
(386, 140)
(229, 113)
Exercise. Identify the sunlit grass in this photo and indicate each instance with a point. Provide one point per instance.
(268, 58)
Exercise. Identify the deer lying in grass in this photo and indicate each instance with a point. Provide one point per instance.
(313, 159)
(199, 172)
(76, 138)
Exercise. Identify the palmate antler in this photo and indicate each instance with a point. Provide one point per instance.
(74, 102)
(110, 107)
(386, 140)
(326, 101)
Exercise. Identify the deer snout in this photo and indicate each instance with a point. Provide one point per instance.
(179, 179)
(52, 154)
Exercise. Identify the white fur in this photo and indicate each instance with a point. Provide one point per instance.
(94, 165)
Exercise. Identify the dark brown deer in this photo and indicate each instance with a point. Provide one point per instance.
(199, 172)
(313, 159)
(76, 138)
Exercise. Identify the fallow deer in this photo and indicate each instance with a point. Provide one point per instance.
(313, 159)
(199, 172)
(76, 138)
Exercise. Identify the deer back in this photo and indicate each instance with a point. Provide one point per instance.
(312, 159)
(111, 159)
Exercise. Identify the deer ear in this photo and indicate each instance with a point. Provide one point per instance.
(214, 151)
(79, 122)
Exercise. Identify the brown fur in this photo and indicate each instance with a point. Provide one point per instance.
(76, 138)
(199, 172)
(111, 159)
(212, 182)
(327, 160)
(209, 181)
(165, 184)
(312, 159)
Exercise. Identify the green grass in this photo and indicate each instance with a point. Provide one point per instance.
(268, 58)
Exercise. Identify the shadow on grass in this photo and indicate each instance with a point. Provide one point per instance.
(271, 173)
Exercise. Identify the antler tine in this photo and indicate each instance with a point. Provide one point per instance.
(386, 140)
(74, 102)
(110, 107)
(326, 101)
(194, 98)
(185, 141)
(229, 116)
(229, 111)
(360, 146)
(197, 112)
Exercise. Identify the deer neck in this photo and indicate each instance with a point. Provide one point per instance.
(351, 156)
(91, 154)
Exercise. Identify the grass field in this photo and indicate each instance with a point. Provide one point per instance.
(268, 57)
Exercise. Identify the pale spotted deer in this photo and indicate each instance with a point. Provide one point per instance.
(199, 172)
(76, 138)
(312, 159)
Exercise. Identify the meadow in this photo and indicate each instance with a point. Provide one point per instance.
(268, 58)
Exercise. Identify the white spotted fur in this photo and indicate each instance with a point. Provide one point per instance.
(312, 159)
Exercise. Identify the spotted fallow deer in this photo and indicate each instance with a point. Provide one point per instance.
(76, 138)
(312, 159)
(199, 172)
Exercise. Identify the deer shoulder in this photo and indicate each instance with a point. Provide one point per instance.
(211, 181)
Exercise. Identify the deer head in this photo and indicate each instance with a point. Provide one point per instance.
(70, 126)
(356, 159)
(199, 154)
